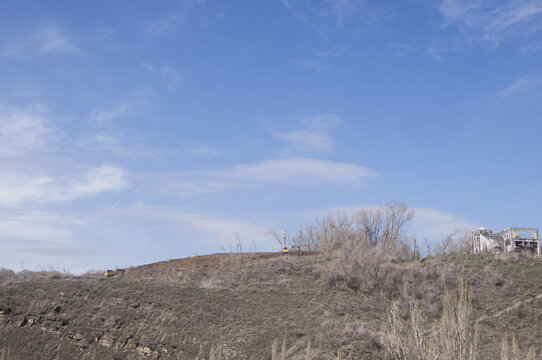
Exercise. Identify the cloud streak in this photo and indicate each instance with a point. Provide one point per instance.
(166, 25)
(526, 83)
(22, 225)
(322, 15)
(312, 65)
(213, 230)
(21, 132)
(23, 179)
(171, 74)
(312, 137)
(491, 21)
(51, 39)
(118, 111)
(435, 225)
(285, 172)
(17, 187)
(126, 106)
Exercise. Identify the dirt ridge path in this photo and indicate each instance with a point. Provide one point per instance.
(515, 305)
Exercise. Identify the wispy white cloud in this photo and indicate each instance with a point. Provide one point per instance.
(438, 49)
(37, 169)
(110, 144)
(313, 136)
(51, 39)
(526, 83)
(285, 172)
(338, 51)
(21, 131)
(17, 187)
(307, 141)
(299, 172)
(166, 25)
(171, 74)
(25, 225)
(23, 135)
(404, 49)
(492, 21)
(200, 149)
(206, 12)
(323, 14)
(435, 225)
(221, 231)
(37, 240)
(313, 65)
(216, 231)
(125, 106)
(94, 181)
(115, 112)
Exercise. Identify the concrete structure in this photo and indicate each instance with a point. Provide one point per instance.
(508, 240)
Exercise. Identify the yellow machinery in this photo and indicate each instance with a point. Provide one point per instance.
(284, 251)
(109, 273)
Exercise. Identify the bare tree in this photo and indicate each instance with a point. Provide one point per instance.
(328, 229)
(310, 238)
(457, 241)
(238, 242)
(397, 215)
(298, 241)
(416, 249)
(447, 245)
(306, 238)
(278, 236)
(427, 244)
(371, 222)
(384, 225)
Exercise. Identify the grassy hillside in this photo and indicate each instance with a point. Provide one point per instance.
(236, 306)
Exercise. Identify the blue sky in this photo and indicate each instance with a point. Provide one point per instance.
(133, 132)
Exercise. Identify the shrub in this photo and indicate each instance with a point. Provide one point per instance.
(6, 275)
(454, 336)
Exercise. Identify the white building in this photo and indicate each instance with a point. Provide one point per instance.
(508, 240)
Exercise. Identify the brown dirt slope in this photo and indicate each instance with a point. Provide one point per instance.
(239, 304)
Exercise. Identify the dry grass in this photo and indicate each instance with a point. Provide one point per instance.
(408, 336)
(511, 351)
(7, 276)
(5, 353)
(237, 309)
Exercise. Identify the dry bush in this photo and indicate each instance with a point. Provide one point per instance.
(53, 275)
(511, 351)
(274, 350)
(216, 353)
(5, 354)
(360, 243)
(458, 241)
(383, 225)
(359, 267)
(295, 351)
(531, 354)
(404, 338)
(25, 275)
(407, 336)
(6, 275)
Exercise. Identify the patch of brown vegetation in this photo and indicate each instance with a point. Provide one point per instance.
(240, 308)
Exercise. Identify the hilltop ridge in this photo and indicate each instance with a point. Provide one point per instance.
(239, 304)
